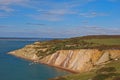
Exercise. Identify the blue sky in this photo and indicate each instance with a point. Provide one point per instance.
(59, 18)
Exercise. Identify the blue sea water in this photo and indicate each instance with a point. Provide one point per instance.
(13, 68)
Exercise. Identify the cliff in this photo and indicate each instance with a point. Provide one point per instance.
(78, 54)
(80, 60)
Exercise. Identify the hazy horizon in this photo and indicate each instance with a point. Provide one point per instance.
(50, 37)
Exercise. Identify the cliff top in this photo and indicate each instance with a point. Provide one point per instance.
(100, 42)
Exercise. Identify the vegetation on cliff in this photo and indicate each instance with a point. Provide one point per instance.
(110, 71)
(87, 42)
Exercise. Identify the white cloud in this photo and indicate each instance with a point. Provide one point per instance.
(49, 10)
(53, 14)
(12, 2)
(92, 14)
(55, 9)
(46, 17)
(5, 5)
(90, 30)
(80, 30)
(6, 8)
(57, 12)
(66, 32)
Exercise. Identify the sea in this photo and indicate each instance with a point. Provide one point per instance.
(13, 68)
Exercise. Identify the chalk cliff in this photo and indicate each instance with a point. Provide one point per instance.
(78, 60)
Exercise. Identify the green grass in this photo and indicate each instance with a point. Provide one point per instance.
(110, 41)
(115, 64)
(86, 42)
(110, 71)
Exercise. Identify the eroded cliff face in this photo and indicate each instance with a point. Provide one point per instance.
(80, 60)
(75, 60)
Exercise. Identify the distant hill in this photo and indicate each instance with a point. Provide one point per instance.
(99, 36)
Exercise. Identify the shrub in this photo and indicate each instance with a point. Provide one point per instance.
(100, 77)
(106, 72)
(105, 76)
(106, 69)
(116, 78)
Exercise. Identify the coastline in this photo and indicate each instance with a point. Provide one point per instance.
(37, 61)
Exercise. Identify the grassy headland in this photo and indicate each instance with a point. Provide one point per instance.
(100, 42)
